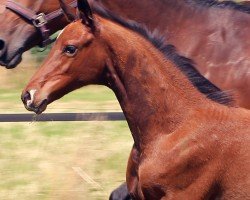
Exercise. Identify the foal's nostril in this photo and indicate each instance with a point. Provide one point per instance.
(2, 44)
(26, 97)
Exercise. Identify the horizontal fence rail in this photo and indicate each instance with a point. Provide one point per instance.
(61, 117)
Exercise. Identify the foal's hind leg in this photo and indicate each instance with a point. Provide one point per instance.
(121, 193)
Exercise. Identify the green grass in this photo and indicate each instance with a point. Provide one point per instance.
(91, 93)
(37, 159)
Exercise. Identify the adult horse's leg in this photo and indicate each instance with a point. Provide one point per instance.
(120, 193)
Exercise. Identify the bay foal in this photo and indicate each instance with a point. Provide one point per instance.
(186, 145)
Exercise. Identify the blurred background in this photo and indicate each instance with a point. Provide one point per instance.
(59, 160)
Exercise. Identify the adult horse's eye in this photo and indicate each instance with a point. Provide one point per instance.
(70, 50)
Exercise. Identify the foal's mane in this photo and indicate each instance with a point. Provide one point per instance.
(222, 4)
(184, 64)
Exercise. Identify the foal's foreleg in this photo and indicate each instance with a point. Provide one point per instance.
(132, 173)
(123, 192)
(120, 193)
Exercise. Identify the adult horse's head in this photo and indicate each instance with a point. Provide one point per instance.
(26, 23)
(78, 58)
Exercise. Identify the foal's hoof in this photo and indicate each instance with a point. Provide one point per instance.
(121, 193)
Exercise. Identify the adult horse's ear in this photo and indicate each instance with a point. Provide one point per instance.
(67, 11)
(85, 13)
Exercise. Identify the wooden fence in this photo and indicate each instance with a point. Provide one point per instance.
(101, 116)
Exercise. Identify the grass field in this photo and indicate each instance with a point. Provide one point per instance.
(53, 160)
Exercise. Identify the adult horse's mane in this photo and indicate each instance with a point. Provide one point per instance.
(223, 4)
(184, 64)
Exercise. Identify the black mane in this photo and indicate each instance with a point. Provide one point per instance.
(222, 4)
(184, 64)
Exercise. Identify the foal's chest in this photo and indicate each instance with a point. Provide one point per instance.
(176, 172)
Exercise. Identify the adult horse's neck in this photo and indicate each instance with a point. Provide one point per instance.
(154, 95)
(166, 15)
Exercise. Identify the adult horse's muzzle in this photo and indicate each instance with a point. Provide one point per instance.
(12, 61)
(10, 54)
(28, 98)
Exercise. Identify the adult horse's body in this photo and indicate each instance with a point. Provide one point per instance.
(214, 35)
(187, 146)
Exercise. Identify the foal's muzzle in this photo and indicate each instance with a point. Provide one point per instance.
(30, 105)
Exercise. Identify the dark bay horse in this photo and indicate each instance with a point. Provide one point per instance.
(189, 143)
(215, 35)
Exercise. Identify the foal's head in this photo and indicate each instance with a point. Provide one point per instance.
(78, 58)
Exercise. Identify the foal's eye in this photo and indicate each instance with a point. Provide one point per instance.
(70, 50)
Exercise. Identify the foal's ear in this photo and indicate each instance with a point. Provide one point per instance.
(85, 13)
(69, 14)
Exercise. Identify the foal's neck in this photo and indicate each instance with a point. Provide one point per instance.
(154, 95)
